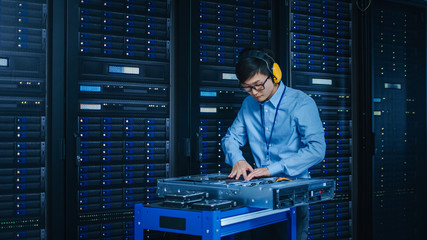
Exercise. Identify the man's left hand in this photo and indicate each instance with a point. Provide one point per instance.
(259, 172)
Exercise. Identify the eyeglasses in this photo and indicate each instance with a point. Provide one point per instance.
(258, 87)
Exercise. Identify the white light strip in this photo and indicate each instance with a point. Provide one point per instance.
(90, 106)
(229, 76)
(208, 109)
(4, 62)
(321, 81)
(393, 85)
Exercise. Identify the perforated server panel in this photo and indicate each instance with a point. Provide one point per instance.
(399, 118)
(226, 27)
(22, 119)
(123, 112)
(320, 42)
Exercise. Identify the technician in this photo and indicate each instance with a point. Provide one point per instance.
(282, 125)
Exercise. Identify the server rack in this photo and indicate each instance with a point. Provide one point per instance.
(23, 82)
(320, 45)
(225, 28)
(118, 112)
(398, 119)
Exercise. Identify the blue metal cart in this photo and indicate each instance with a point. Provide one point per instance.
(210, 225)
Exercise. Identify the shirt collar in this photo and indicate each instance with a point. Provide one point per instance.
(276, 97)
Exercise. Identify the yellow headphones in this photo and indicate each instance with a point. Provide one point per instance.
(274, 69)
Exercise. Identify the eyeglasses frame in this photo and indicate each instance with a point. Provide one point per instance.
(258, 87)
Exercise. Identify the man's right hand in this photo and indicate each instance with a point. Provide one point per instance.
(239, 169)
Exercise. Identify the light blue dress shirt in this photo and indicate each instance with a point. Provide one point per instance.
(297, 142)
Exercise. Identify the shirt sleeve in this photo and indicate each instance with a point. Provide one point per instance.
(235, 138)
(313, 146)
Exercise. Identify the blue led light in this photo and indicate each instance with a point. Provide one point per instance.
(85, 88)
(123, 69)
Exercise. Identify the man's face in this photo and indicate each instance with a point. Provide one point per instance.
(264, 88)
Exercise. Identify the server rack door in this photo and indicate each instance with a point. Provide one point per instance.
(320, 65)
(23, 51)
(399, 120)
(118, 90)
(225, 28)
(55, 193)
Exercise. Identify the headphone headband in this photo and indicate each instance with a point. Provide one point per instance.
(256, 54)
(261, 55)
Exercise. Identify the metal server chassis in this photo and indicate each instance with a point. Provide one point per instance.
(258, 193)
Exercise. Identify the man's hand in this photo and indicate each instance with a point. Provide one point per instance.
(240, 168)
(259, 172)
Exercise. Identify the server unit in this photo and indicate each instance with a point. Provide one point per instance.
(119, 87)
(398, 120)
(225, 28)
(23, 95)
(320, 65)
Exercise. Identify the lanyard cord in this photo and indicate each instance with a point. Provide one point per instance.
(274, 122)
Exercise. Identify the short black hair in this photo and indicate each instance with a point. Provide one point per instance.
(247, 67)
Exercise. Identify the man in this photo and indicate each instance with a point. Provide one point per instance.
(282, 125)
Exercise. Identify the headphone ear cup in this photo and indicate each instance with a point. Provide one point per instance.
(276, 72)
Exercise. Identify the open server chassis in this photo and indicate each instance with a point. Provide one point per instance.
(264, 202)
